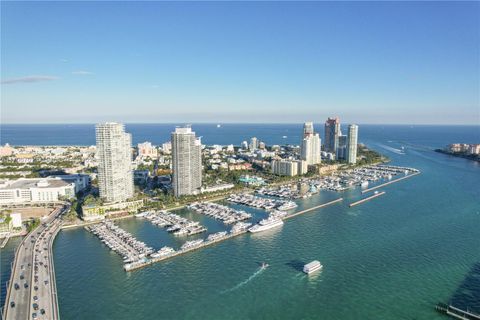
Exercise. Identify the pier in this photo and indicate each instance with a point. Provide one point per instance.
(366, 199)
(390, 182)
(4, 242)
(229, 236)
(312, 208)
(455, 312)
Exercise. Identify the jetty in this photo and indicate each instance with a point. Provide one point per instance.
(312, 208)
(366, 199)
(147, 262)
(4, 242)
(390, 182)
(455, 312)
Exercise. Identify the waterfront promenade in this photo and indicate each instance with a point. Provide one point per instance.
(31, 291)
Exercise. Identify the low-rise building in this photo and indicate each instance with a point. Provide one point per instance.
(218, 187)
(35, 190)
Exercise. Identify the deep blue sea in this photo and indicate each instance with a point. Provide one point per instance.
(393, 257)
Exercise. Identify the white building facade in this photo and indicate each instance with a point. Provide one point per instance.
(352, 141)
(23, 190)
(186, 162)
(289, 167)
(114, 156)
(310, 151)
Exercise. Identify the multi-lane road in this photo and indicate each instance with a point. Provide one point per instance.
(32, 293)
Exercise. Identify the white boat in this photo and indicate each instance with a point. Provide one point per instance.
(265, 224)
(313, 266)
(287, 206)
(364, 184)
(141, 215)
(216, 236)
(164, 251)
(191, 244)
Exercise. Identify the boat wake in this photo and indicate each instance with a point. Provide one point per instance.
(397, 151)
(241, 284)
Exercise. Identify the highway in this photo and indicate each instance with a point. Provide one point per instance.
(31, 292)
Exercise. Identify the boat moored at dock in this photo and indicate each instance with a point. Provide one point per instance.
(266, 224)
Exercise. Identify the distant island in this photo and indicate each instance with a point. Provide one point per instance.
(463, 150)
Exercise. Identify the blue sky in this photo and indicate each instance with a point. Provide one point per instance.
(367, 62)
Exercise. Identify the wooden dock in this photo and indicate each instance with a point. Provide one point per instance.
(229, 236)
(390, 182)
(366, 199)
(455, 312)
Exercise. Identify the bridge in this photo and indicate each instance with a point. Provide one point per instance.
(31, 291)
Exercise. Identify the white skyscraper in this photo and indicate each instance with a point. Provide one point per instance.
(352, 141)
(114, 154)
(311, 145)
(187, 162)
(253, 144)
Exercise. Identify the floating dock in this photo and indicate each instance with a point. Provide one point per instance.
(390, 182)
(366, 199)
(455, 312)
(229, 236)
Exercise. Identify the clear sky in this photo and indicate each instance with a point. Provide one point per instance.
(367, 62)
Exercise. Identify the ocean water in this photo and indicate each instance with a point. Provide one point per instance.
(393, 257)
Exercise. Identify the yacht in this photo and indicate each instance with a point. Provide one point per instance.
(164, 251)
(312, 267)
(192, 244)
(265, 224)
(287, 206)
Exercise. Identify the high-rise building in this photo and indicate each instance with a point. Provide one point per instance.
(187, 162)
(332, 132)
(114, 156)
(341, 153)
(253, 144)
(290, 168)
(352, 142)
(310, 150)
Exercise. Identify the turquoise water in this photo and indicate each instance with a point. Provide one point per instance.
(391, 258)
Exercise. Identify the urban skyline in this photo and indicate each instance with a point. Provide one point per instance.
(374, 63)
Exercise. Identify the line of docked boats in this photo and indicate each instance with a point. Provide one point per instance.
(262, 203)
(220, 212)
(173, 223)
(120, 241)
(359, 177)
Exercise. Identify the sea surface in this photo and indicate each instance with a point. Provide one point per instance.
(393, 257)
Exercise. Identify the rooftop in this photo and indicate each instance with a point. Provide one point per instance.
(24, 183)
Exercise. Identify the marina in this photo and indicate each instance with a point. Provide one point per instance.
(219, 212)
(177, 225)
(262, 203)
(238, 229)
(377, 194)
(120, 241)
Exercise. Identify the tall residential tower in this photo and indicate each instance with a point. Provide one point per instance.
(187, 162)
(114, 155)
(352, 142)
(332, 132)
(311, 145)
